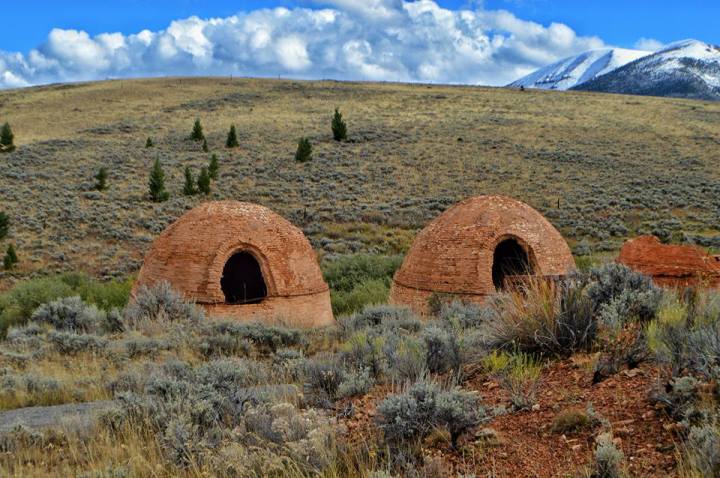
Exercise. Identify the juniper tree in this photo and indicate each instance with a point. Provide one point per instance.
(149, 143)
(204, 181)
(205, 146)
(189, 187)
(232, 141)
(4, 225)
(339, 127)
(197, 132)
(101, 178)
(213, 167)
(157, 183)
(10, 258)
(7, 138)
(304, 150)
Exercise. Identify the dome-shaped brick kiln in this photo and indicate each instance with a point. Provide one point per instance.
(477, 247)
(241, 261)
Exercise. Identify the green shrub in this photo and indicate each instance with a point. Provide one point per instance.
(232, 140)
(4, 225)
(18, 304)
(355, 383)
(203, 181)
(346, 272)
(339, 127)
(74, 315)
(304, 150)
(10, 258)
(214, 167)
(160, 303)
(518, 373)
(371, 292)
(197, 131)
(619, 295)
(7, 139)
(189, 186)
(101, 177)
(149, 143)
(157, 183)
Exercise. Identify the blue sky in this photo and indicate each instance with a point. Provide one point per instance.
(43, 41)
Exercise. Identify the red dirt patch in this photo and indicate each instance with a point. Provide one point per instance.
(525, 444)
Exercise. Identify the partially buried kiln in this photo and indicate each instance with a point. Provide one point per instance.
(476, 248)
(241, 261)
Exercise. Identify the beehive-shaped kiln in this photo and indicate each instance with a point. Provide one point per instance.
(241, 261)
(476, 248)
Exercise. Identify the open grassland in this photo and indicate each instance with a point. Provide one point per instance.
(600, 167)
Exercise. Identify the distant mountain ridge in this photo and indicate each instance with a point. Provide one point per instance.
(686, 69)
(576, 70)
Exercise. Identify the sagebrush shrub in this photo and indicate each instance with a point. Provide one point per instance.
(408, 417)
(703, 450)
(608, 459)
(405, 356)
(72, 314)
(71, 343)
(161, 303)
(619, 294)
(355, 383)
(380, 317)
(266, 338)
(324, 378)
(442, 351)
(463, 315)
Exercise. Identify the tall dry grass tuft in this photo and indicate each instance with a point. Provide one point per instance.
(544, 318)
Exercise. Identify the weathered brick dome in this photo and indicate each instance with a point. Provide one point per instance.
(669, 265)
(477, 247)
(241, 261)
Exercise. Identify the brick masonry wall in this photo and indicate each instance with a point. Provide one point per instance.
(673, 266)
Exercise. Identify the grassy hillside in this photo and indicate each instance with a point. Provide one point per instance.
(601, 167)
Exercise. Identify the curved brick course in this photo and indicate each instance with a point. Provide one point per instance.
(671, 265)
(191, 254)
(454, 253)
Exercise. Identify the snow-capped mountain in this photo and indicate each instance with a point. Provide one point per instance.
(579, 69)
(687, 69)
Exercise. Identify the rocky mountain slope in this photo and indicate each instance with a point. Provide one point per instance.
(579, 69)
(687, 69)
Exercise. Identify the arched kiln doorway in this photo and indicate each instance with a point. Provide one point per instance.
(242, 280)
(511, 263)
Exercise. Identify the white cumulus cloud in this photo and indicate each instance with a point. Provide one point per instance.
(648, 44)
(389, 40)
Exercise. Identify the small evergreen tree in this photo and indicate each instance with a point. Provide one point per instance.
(204, 181)
(4, 225)
(10, 258)
(214, 167)
(149, 143)
(101, 178)
(197, 132)
(157, 183)
(189, 187)
(205, 146)
(232, 141)
(7, 138)
(339, 127)
(304, 150)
